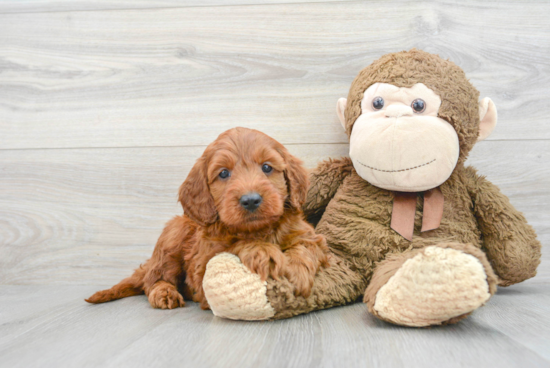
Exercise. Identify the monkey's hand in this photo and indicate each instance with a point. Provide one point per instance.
(325, 180)
(509, 241)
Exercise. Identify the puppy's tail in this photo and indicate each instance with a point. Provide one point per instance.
(130, 286)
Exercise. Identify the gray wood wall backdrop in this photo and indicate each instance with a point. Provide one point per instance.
(105, 105)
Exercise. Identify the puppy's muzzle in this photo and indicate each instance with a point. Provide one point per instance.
(251, 201)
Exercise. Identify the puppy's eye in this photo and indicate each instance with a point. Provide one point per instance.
(377, 103)
(418, 105)
(224, 174)
(266, 168)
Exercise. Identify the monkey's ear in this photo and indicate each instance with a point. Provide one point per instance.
(340, 109)
(487, 118)
(195, 197)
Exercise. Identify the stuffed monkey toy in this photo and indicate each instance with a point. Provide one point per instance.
(420, 237)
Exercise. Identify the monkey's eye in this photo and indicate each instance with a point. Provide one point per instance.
(418, 105)
(224, 174)
(377, 103)
(266, 168)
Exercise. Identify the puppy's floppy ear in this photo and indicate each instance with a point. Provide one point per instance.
(195, 197)
(297, 179)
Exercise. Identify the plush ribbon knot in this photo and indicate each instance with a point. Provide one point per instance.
(404, 209)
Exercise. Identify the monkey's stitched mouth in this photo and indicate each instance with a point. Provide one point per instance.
(390, 171)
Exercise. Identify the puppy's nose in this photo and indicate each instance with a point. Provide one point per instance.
(251, 201)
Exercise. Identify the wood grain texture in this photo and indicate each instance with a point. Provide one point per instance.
(175, 77)
(61, 330)
(89, 216)
(35, 6)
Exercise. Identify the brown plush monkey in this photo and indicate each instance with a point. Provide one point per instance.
(421, 238)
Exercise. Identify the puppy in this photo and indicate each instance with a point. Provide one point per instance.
(243, 196)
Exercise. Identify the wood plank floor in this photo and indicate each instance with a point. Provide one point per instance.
(179, 77)
(51, 326)
(105, 106)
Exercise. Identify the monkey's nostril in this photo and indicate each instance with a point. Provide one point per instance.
(251, 201)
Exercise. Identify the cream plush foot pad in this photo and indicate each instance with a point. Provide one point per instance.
(433, 287)
(233, 291)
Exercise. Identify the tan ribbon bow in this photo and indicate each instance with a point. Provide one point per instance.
(404, 209)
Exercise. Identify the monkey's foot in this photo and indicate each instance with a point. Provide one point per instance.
(233, 291)
(431, 286)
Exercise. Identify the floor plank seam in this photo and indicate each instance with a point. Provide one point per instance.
(180, 7)
(168, 146)
(205, 145)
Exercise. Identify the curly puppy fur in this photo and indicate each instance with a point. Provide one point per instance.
(273, 241)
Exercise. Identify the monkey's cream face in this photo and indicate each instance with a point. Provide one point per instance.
(399, 142)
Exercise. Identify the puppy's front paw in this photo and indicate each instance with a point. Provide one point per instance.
(265, 261)
(165, 296)
(301, 276)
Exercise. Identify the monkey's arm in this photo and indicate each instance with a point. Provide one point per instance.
(509, 241)
(325, 180)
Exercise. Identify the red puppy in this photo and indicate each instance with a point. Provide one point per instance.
(243, 196)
